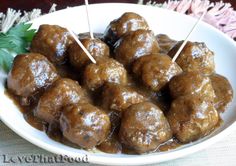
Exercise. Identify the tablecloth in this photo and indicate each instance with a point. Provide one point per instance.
(222, 153)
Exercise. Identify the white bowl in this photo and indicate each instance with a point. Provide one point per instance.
(171, 23)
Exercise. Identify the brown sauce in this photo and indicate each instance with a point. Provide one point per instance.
(27, 111)
(112, 144)
(161, 98)
(67, 71)
(169, 145)
(34, 121)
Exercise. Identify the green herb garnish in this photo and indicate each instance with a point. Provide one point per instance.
(15, 41)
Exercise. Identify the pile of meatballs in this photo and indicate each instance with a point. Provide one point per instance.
(113, 104)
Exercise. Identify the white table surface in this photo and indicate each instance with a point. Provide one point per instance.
(222, 153)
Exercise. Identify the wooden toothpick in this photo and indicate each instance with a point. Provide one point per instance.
(186, 40)
(81, 45)
(88, 18)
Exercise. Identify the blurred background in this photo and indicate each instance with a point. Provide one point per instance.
(46, 4)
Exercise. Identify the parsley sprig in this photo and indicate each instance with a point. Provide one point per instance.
(15, 41)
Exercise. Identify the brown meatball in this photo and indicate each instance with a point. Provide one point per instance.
(105, 71)
(30, 74)
(84, 125)
(52, 41)
(126, 23)
(97, 48)
(134, 45)
(155, 70)
(195, 57)
(189, 83)
(223, 91)
(165, 43)
(144, 127)
(118, 97)
(192, 117)
(63, 92)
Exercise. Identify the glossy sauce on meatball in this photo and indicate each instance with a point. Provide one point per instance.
(31, 73)
(165, 43)
(195, 57)
(84, 125)
(52, 41)
(104, 71)
(223, 92)
(62, 93)
(155, 70)
(134, 45)
(189, 83)
(97, 48)
(144, 127)
(126, 23)
(119, 97)
(192, 117)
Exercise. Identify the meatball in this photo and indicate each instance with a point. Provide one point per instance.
(63, 92)
(223, 92)
(118, 97)
(126, 23)
(192, 117)
(165, 43)
(195, 57)
(134, 45)
(105, 71)
(155, 70)
(30, 74)
(52, 41)
(96, 47)
(144, 127)
(84, 125)
(189, 83)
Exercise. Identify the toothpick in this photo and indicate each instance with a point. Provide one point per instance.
(88, 18)
(186, 40)
(81, 45)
